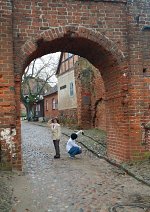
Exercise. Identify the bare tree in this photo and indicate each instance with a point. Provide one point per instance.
(37, 79)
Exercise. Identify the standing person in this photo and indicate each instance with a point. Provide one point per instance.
(56, 133)
(71, 147)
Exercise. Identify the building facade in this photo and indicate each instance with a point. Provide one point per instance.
(51, 104)
(67, 97)
(39, 110)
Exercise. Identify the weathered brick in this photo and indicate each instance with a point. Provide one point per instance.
(115, 40)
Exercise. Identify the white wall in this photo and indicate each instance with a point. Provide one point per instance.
(65, 101)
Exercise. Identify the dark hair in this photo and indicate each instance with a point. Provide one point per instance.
(74, 136)
(55, 119)
(52, 120)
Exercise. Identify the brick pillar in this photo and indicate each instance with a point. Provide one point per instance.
(138, 84)
(7, 87)
(17, 159)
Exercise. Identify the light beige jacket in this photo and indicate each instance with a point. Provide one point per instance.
(55, 130)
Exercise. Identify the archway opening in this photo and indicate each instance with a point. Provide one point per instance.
(108, 60)
(75, 99)
(92, 51)
(113, 75)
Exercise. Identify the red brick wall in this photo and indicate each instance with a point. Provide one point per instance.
(106, 33)
(138, 98)
(83, 78)
(8, 116)
(17, 159)
(90, 96)
(98, 107)
(145, 38)
(49, 112)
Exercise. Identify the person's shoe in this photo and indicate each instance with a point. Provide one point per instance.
(72, 157)
(56, 156)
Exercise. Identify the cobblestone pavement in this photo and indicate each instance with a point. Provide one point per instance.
(85, 184)
(95, 141)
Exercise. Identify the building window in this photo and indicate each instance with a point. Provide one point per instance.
(53, 104)
(71, 89)
(38, 108)
(46, 105)
(62, 87)
(56, 104)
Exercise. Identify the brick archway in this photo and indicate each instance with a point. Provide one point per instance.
(102, 32)
(69, 38)
(103, 54)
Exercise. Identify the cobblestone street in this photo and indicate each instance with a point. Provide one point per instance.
(85, 184)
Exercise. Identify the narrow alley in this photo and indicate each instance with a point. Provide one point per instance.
(85, 184)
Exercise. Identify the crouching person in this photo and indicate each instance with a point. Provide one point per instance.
(71, 147)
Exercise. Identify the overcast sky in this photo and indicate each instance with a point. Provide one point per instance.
(52, 58)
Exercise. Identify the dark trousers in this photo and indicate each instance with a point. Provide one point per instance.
(56, 145)
(74, 151)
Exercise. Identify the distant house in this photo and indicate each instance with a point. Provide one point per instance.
(39, 109)
(33, 85)
(67, 98)
(51, 103)
(35, 88)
